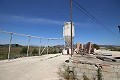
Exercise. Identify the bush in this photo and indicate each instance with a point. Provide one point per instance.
(64, 72)
(85, 77)
(53, 50)
(56, 49)
(3, 56)
(96, 46)
(35, 51)
(23, 50)
(99, 75)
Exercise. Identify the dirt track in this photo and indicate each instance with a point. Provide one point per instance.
(32, 68)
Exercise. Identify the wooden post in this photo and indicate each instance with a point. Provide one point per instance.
(10, 46)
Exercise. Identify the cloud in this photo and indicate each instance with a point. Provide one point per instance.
(9, 18)
(38, 20)
(85, 25)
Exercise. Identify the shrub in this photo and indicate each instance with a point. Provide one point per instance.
(85, 77)
(64, 72)
(53, 50)
(96, 46)
(23, 50)
(99, 75)
(35, 51)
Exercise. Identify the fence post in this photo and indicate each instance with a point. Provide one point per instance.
(40, 47)
(47, 46)
(10, 45)
(28, 45)
(64, 44)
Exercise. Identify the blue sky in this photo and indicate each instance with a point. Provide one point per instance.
(45, 18)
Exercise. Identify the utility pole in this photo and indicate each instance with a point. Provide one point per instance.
(71, 27)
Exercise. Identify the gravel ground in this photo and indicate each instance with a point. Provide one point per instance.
(32, 68)
(114, 53)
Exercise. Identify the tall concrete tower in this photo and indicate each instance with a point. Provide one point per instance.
(67, 34)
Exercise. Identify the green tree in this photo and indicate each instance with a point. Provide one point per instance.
(96, 46)
(16, 45)
(53, 50)
(35, 51)
(23, 50)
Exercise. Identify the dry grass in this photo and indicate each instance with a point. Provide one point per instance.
(15, 52)
(65, 73)
(85, 77)
(4, 50)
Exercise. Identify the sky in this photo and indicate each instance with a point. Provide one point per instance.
(45, 18)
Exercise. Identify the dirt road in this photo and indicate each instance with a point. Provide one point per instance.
(33, 68)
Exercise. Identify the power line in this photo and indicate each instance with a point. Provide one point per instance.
(93, 18)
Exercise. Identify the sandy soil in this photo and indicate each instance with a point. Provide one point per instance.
(114, 53)
(33, 68)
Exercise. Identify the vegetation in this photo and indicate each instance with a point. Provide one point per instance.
(54, 50)
(112, 48)
(35, 52)
(96, 46)
(21, 51)
(85, 77)
(3, 56)
(15, 52)
(99, 75)
(65, 73)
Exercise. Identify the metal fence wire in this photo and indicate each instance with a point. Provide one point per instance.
(15, 45)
